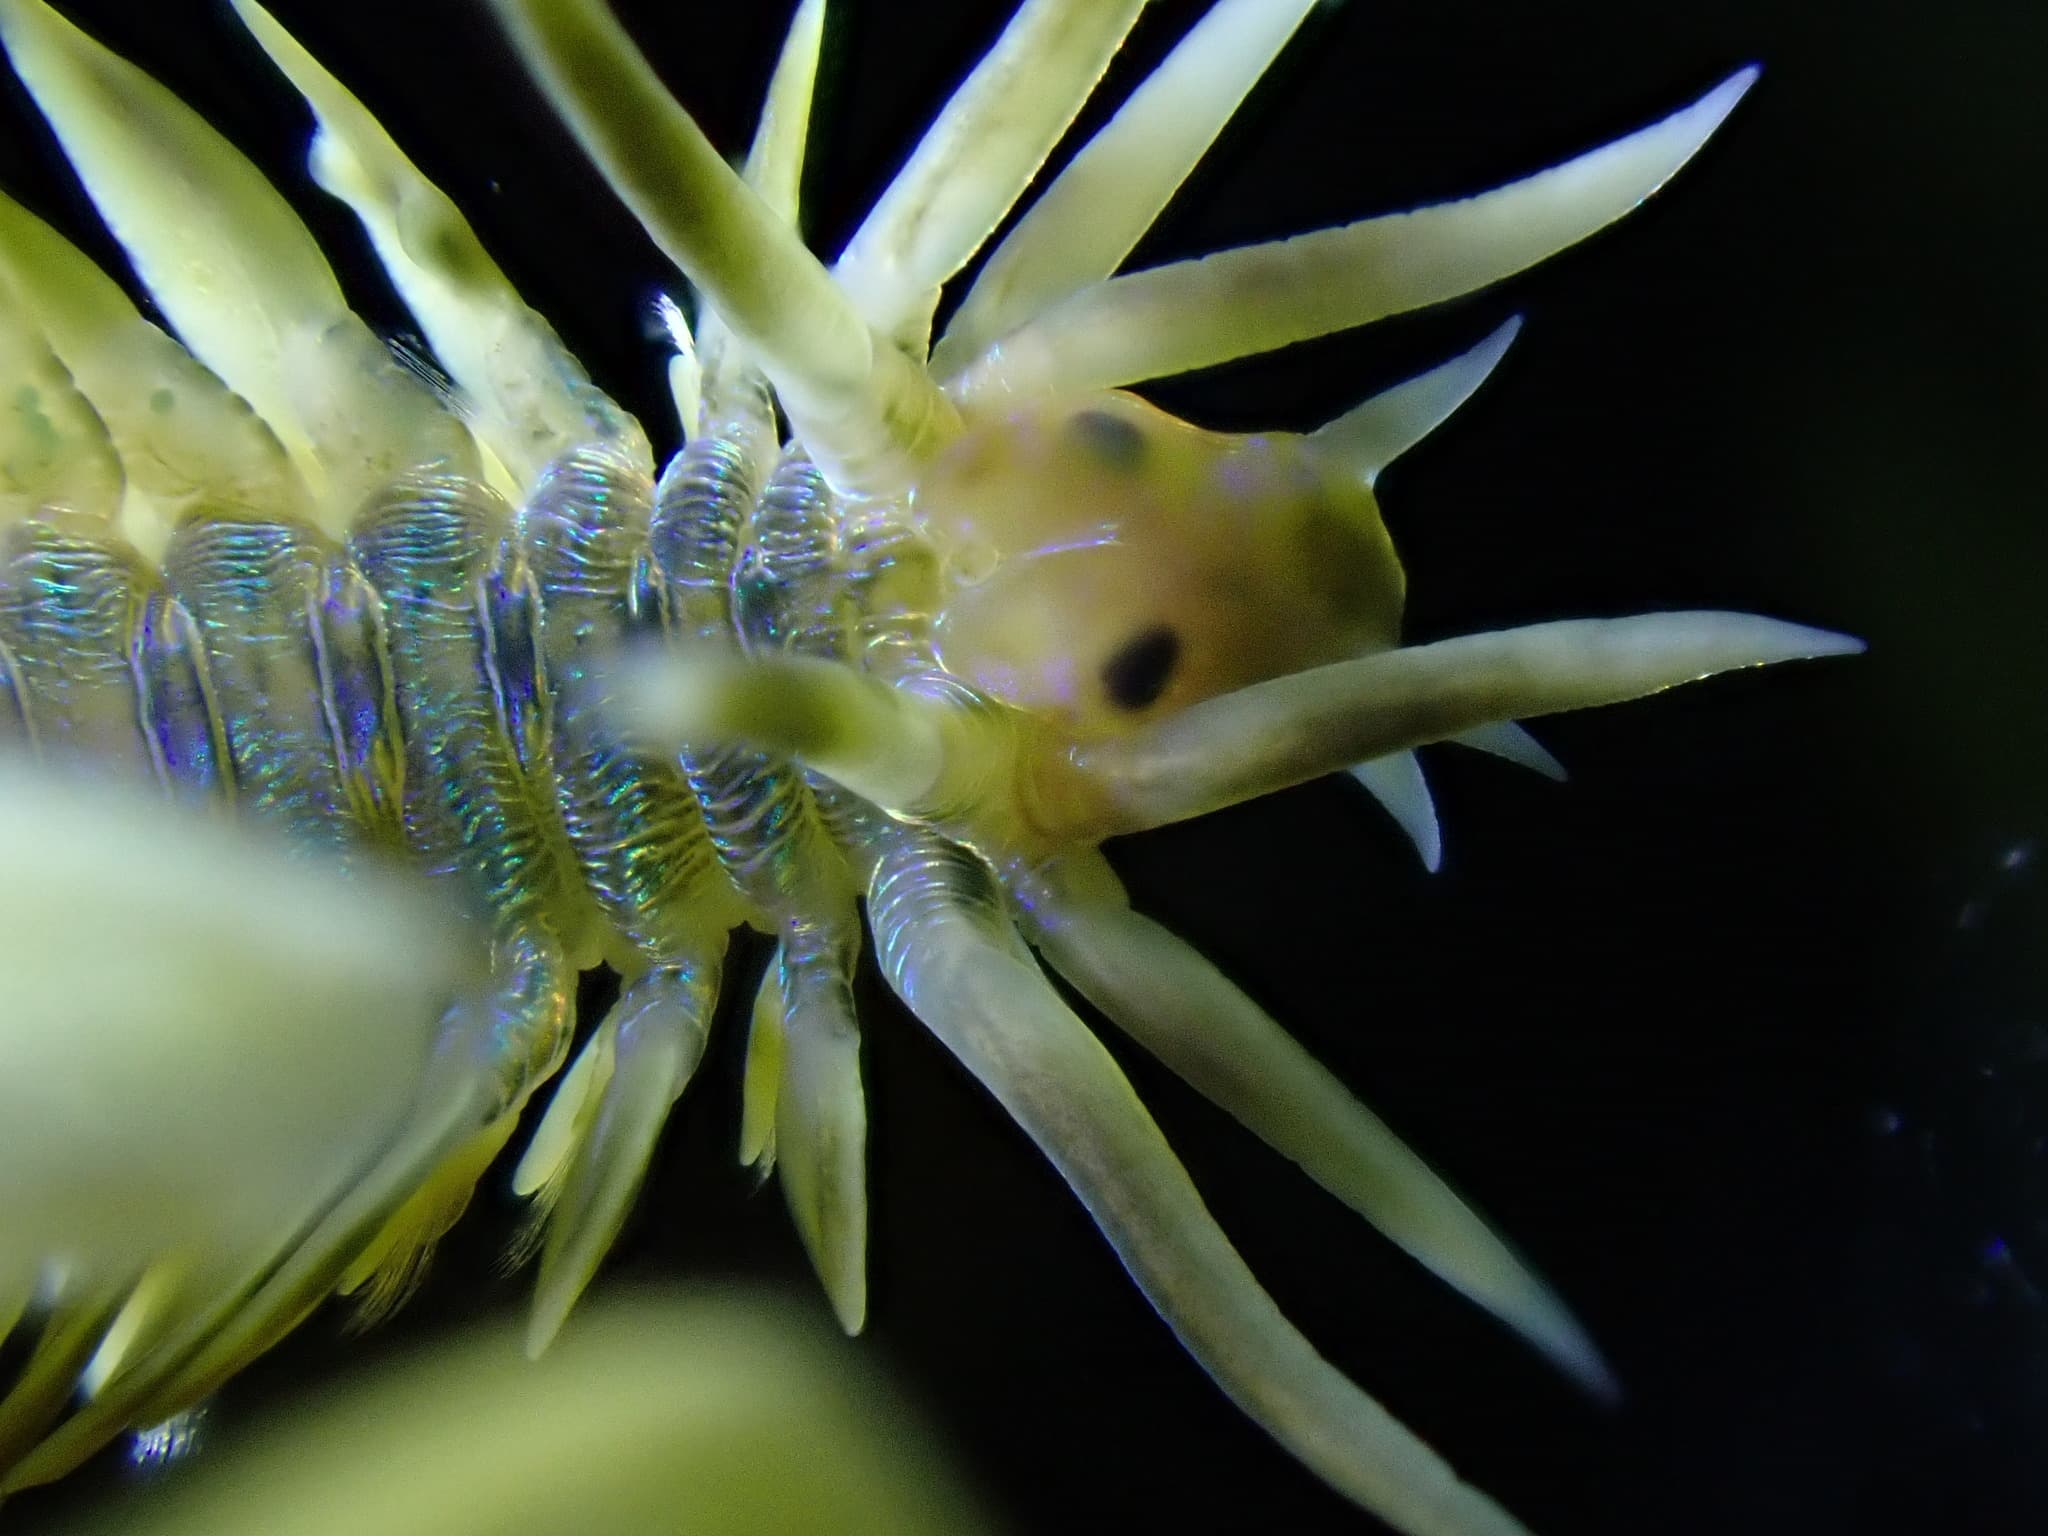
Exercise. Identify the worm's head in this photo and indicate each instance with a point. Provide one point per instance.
(1108, 564)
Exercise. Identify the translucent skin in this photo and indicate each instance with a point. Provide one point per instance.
(976, 613)
(1107, 563)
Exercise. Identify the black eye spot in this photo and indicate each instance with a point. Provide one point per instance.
(1138, 673)
(1114, 441)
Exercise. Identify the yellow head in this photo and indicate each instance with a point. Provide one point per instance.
(1106, 563)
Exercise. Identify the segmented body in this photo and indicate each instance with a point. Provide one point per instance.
(426, 685)
(965, 619)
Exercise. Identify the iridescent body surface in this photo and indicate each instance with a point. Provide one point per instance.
(911, 620)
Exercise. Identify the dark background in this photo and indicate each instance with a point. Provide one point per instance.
(1743, 1033)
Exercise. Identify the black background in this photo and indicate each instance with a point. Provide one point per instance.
(1742, 1034)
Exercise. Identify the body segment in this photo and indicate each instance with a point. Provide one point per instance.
(972, 613)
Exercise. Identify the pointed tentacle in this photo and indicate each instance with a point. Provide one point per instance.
(774, 169)
(820, 1135)
(245, 286)
(762, 1083)
(1396, 781)
(868, 413)
(1084, 225)
(775, 161)
(1275, 734)
(528, 398)
(951, 954)
(658, 1028)
(566, 1124)
(1166, 996)
(976, 160)
(1194, 314)
(184, 438)
(1511, 743)
(1369, 437)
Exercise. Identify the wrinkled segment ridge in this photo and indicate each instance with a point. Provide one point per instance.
(883, 652)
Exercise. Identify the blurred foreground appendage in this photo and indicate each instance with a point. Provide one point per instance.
(716, 1414)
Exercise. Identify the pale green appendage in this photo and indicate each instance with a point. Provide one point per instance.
(1187, 1013)
(584, 536)
(1292, 729)
(976, 159)
(774, 170)
(763, 1073)
(1253, 298)
(748, 540)
(865, 412)
(1046, 739)
(1081, 228)
(790, 598)
(246, 287)
(522, 393)
(187, 444)
(1511, 744)
(948, 947)
(644, 851)
(1006, 765)
(313, 663)
(653, 1038)
(1397, 782)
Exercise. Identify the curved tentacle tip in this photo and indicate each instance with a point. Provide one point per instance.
(1829, 642)
(603, 1128)
(1371, 436)
(1396, 781)
(1273, 735)
(1562, 1339)
(1247, 299)
(1167, 997)
(950, 953)
(1511, 743)
(1730, 91)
